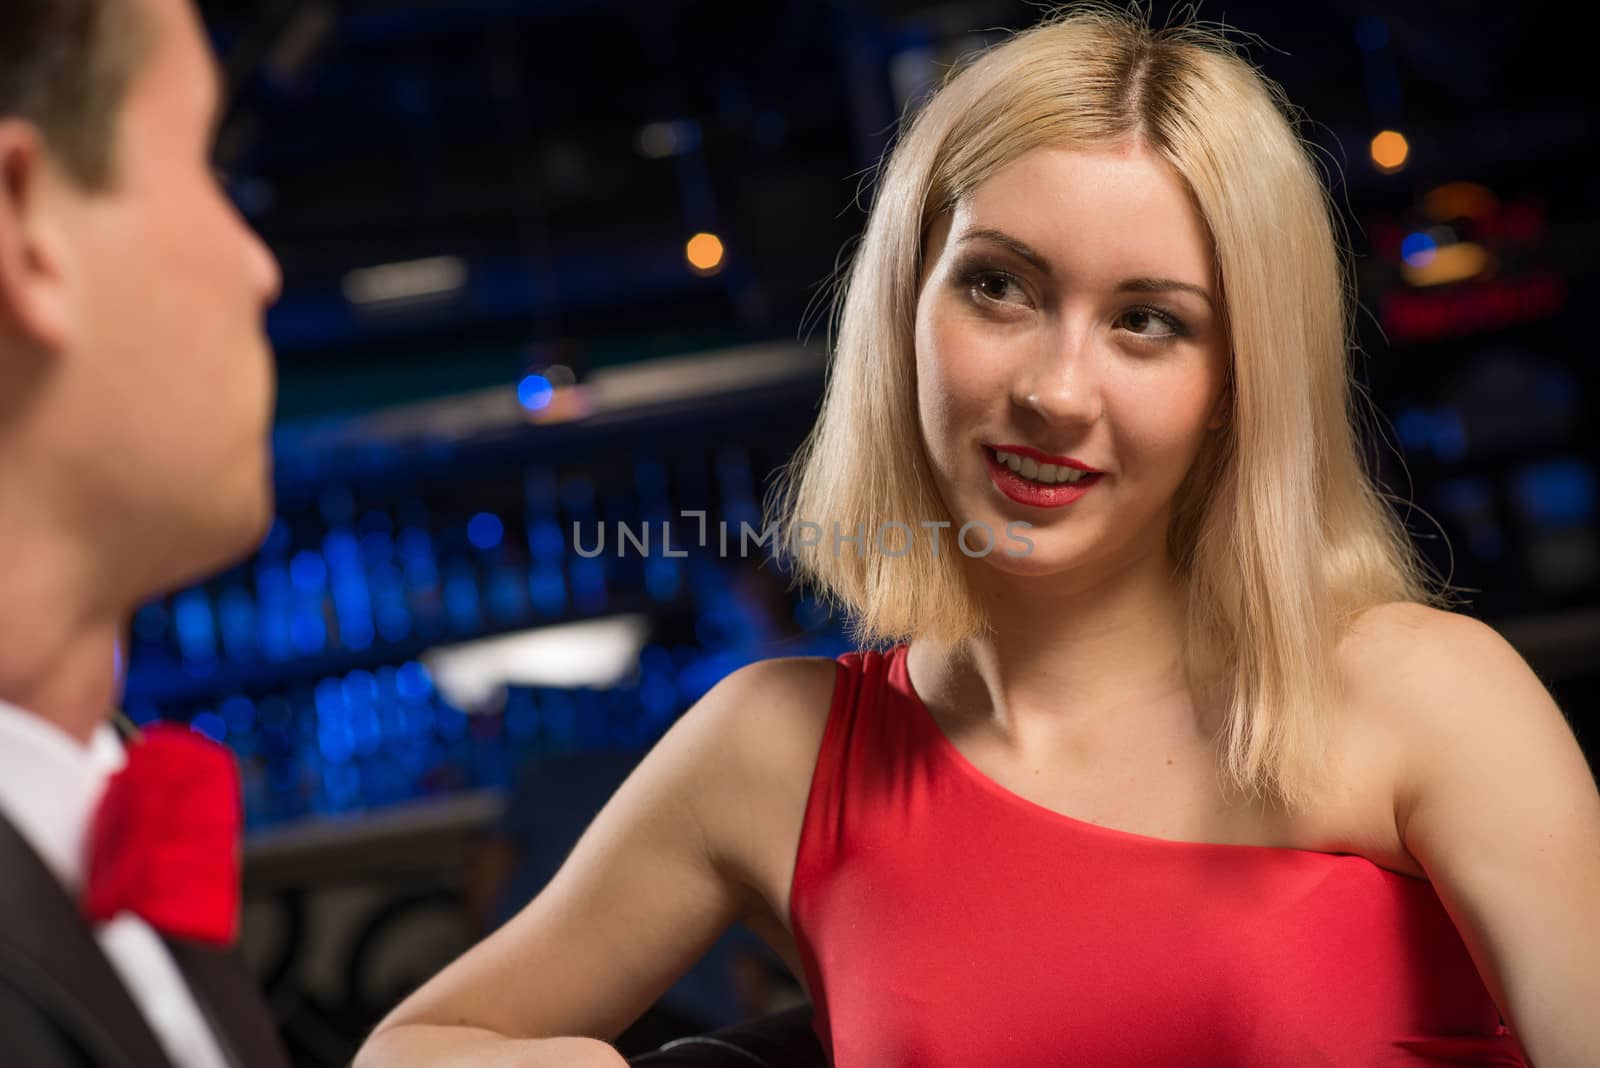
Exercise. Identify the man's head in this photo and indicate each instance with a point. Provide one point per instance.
(136, 383)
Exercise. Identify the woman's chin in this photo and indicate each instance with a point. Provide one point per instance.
(1034, 564)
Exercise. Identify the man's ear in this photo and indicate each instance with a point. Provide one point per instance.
(34, 291)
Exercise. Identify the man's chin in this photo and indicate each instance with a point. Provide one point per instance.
(239, 534)
(258, 530)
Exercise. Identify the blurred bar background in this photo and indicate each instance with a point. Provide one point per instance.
(552, 263)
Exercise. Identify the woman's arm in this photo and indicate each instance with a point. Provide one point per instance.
(648, 888)
(1499, 806)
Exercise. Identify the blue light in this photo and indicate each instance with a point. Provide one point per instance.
(307, 571)
(307, 632)
(549, 590)
(238, 619)
(211, 725)
(329, 698)
(200, 669)
(461, 599)
(535, 392)
(522, 716)
(485, 530)
(416, 545)
(366, 731)
(191, 612)
(655, 660)
(1449, 436)
(708, 632)
(343, 550)
(1418, 249)
(377, 547)
(507, 601)
(589, 584)
(733, 465)
(1557, 493)
(272, 582)
(355, 634)
(343, 785)
(589, 574)
(337, 742)
(661, 579)
(559, 716)
(239, 714)
(277, 640)
(451, 723)
(743, 519)
(360, 688)
(1415, 429)
(545, 538)
(416, 549)
(412, 682)
(658, 694)
(394, 621)
(278, 538)
(810, 612)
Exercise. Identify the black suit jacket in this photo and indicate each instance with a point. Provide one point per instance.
(62, 1004)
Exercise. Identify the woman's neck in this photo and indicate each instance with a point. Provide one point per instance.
(1069, 654)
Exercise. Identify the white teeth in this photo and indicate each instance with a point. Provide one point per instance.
(1048, 474)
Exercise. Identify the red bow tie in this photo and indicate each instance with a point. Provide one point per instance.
(165, 840)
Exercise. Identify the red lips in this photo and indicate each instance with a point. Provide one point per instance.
(1044, 458)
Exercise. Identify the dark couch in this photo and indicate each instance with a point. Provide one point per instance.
(779, 1040)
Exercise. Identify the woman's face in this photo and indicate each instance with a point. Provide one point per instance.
(1068, 308)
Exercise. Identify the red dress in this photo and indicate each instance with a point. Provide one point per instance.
(943, 920)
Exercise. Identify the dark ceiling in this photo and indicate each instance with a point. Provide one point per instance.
(517, 137)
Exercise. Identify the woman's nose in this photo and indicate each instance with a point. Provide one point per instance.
(1061, 383)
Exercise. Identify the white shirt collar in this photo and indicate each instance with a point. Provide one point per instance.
(50, 784)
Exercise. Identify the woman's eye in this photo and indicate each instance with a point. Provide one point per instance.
(994, 287)
(1141, 318)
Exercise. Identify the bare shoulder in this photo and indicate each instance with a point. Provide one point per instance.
(764, 713)
(1388, 661)
(1390, 633)
(1405, 666)
(762, 726)
(1455, 694)
(1498, 806)
(1411, 660)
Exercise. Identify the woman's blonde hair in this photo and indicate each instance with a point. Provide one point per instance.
(1279, 535)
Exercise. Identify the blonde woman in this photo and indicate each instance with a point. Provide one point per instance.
(1163, 751)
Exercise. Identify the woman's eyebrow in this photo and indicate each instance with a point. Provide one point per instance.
(1023, 251)
(1005, 240)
